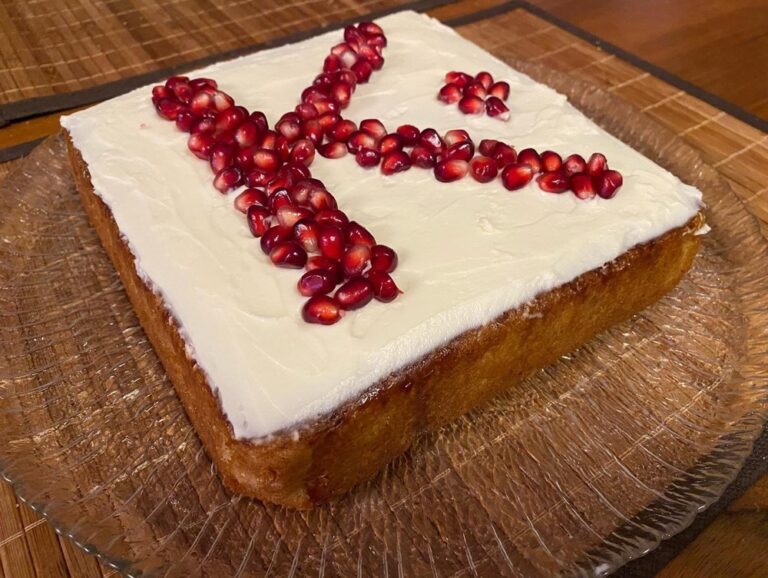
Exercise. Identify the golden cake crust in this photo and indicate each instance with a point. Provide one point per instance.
(323, 462)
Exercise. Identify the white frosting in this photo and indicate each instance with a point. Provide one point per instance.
(468, 252)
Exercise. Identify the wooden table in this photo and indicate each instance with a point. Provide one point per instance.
(717, 51)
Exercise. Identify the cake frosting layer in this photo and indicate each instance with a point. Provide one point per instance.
(468, 251)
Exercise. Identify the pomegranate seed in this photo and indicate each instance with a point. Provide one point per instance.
(362, 70)
(516, 175)
(459, 78)
(376, 60)
(201, 144)
(503, 154)
(320, 200)
(290, 128)
(485, 79)
(328, 119)
(258, 219)
(391, 142)
(330, 241)
(395, 162)
(384, 287)
(373, 127)
(269, 140)
(306, 232)
(355, 293)
(283, 148)
(199, 83)
(222, 101)
(450, 93)
(370, 29)
(483, 169)
(596, 164)
(332, 217)
(303, 152)
(174, 80)
(169, 109)
(383, 258)
(321, 309)
(246, 134)
(355, 260)
(296, 171)
(582, 186)
(316, 282)
(574, 164)
(409, 134)
(288, 215)
(313, 131)
(185, 120)
(341, 92)
(221, 157)
(258, 178)
(244, 159)
(332, 150)
(486, 146)
(472, 105)
(332, 63)
(451, 170)
(341, 131)
(555, 182)
(227, 137)
(500, 90)
(378, 41)
(279, 199)
(266, 160)
(496, 108)
(551, 161)
(359, 140)
(456, 136)
(250, 197)
(230, 119)
(608, 183)
(260, 120)
(203, 125)
(160, 91)
(302, 189)
(367, 158)
(475, 89)
(314, 94)
(341, 48)
(349, 77)
(321, 262)
(463, 151)
(432, 141)
(306, 110)
(531, 158)
(201, 102)
(274, 235)
(356, 234)
(288, 254)
(227, 179)
(276, 184)
(183, 92)
(422, 157)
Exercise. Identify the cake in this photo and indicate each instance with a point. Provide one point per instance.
(494, 279)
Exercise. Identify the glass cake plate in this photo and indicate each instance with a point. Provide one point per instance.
(588, 464)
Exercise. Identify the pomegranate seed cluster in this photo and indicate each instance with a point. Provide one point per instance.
(476, 94)
(295, 217)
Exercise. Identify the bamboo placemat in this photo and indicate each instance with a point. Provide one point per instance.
(28, 545)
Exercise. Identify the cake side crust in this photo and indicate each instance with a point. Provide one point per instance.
(324, 461)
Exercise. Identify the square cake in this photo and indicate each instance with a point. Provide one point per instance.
(495, 283)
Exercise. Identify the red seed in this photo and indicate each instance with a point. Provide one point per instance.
(486, 146)
(183, 92)
(278, 199)
(485, 79)
(260, 120)
(332, 217)
(383, 258)
(258, 178)
(169, 109)
(332, 150)
(199, 83)
(608, 183)
(266, 160)
(355, 260)
(306, 111)
(500, 90)
(250, 197)
(274, 235)
(341, 48)
(391, 142)
(185, 120)
(596, 164)
(222, 101)
(422, 157)
(355, 293)
(226, 137)
(555, 182)
(330, 241)
(359, 140)
(203, 125)
(462, 151)
(455, 136)
(373, 127)
(460, 78)
(395, 162)
(258, 218)
(483, 169)
(322, 262)
(367, 158)
(516, 176)
(316, 282)
(290, 128)
(503, 154)
(320, 200)
(296, 171)
(222, 156)
(450, 93)
(362, 70)
(409, 134)
(161, 91)
(432, 141)
(496, 108)
(246, 134)
(314, 94)
(201, 144)
(288, 215)
(328, 119)
(277, 183)
(313, 131)
(370, 29)
(227, 179)
(384, 287)
(321, 309)
(472, 105)
(332, 63)
(269, 140)
(303, 152)
(174, 80)
(244, 159)
(201, 102)
(341, 131)
(582, 186)
(288, 254)
(356, 234)
(341, 93)
(574, 164)
(475, 89)
(451, 170)
(306, 233)
(531, 158)
(551, 161)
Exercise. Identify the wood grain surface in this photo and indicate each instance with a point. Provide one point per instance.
(721, 47)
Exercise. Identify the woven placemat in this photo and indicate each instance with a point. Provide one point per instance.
(29, 547)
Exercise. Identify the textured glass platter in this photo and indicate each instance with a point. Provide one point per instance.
(588, 464)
